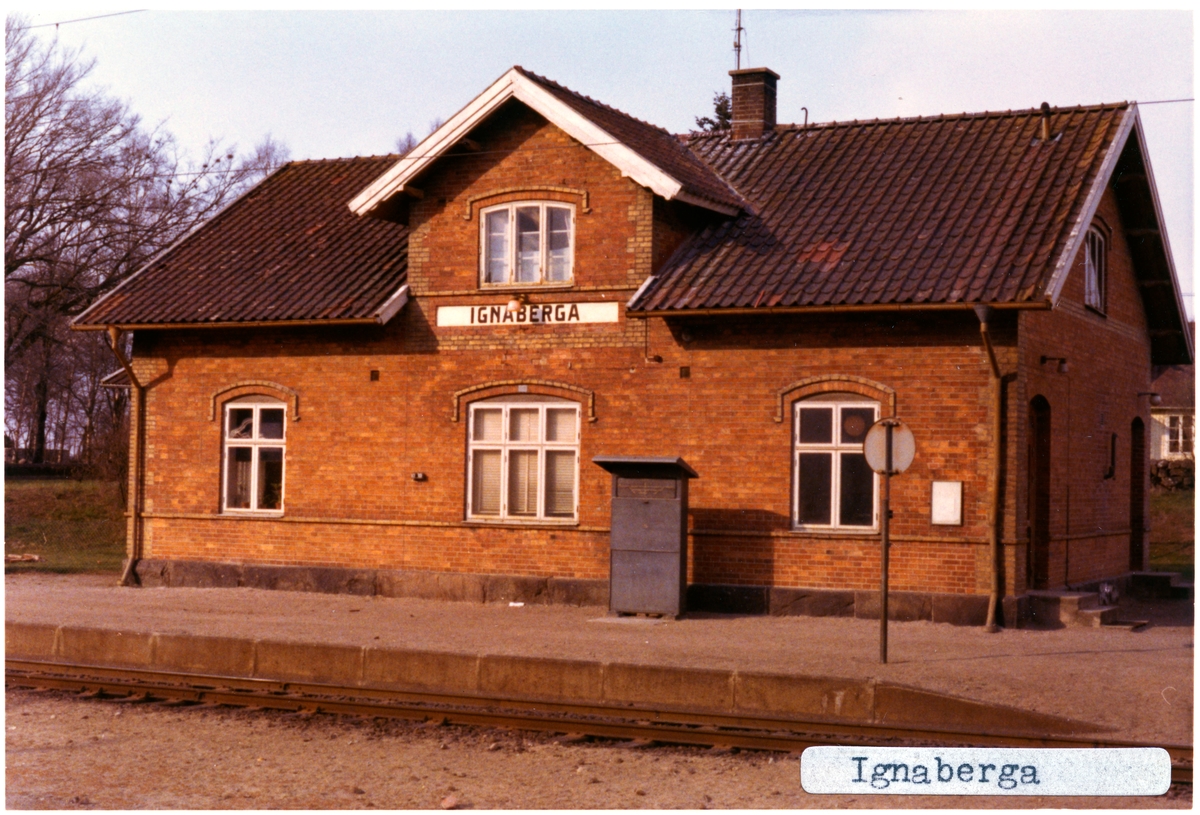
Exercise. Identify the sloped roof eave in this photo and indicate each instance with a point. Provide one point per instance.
(733, 311)
(1062, 264)
(514, 84)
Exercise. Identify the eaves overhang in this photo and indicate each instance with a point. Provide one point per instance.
(382, 315)
(514, 85)
(1126, 168)
(848, 308)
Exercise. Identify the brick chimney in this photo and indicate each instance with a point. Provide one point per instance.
(753, 102)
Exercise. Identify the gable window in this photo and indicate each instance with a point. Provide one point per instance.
(527, 243)
(523, 459)
(834, 486)
(1095, 268)
(1180, 436)
(254, 443)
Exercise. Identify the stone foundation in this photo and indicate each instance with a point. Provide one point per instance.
(956, 609)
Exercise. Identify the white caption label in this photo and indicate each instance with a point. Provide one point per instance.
(986, 771)
(536, 314)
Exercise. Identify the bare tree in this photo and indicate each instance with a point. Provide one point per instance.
(90, 196)
(406, 143)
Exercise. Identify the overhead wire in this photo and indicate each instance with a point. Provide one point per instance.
(80, 19)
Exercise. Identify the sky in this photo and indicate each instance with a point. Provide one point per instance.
(331, 84)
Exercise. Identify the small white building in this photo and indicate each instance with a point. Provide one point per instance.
(1173, 423)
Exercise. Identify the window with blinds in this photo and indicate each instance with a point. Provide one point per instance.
(523, 459)
(834, 486)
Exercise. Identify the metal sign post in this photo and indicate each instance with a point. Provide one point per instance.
(889, 449)
(887, 542)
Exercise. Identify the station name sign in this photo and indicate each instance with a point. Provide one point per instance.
(535, 314)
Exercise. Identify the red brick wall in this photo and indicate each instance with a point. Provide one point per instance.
(350, 497)
(351, 455)
(1109, 363)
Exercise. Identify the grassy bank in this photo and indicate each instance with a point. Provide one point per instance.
(1172, 531)
(73, 526)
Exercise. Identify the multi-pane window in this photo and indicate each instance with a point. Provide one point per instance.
(527, 243)
(523, 460)
(1095, 262)
(254, 444)
(835, 488)
(1180, 435)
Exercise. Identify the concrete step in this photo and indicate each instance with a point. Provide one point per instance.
(1062, 607)
(1096, 617)
(1076, 609)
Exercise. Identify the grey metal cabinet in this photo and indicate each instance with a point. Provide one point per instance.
(648, 550)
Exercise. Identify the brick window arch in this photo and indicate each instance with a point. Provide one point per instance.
(534, 386)
(830, 383)
(255, 387)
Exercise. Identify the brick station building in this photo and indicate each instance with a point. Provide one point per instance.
(391, 374)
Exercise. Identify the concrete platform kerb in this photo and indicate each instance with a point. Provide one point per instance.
(526, 679)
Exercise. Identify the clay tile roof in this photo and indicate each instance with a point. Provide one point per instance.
(654, 144)
(290, 249)
(949, 209)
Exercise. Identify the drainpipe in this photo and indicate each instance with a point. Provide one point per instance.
(994, 509)
(135, 476)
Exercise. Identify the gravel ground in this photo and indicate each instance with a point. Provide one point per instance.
(1139, 684)
(66, 753)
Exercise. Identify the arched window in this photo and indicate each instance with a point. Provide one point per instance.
(254, 440)
(523, 459)
(834, 486)
(1095, 267)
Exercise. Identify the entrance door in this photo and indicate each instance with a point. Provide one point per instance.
(1039, 493)
(1137, 496)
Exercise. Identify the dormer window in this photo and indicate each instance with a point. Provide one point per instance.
(1095, 267)
(527, 243)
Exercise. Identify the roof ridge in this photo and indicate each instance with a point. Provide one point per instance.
(937, 117)
(587, 98)
(343, 159)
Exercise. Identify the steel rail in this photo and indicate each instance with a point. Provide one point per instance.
(661, 724)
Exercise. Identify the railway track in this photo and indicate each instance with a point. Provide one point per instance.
(648, 724)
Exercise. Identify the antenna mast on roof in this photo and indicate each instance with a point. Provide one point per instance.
(737, 41)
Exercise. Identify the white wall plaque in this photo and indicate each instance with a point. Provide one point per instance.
(947, 503)
(535, 314)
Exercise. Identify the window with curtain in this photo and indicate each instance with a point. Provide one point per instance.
(523, 459)
(527, 243)
(254, 444)
(1095, 267)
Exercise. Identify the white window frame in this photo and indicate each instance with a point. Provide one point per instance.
(544, 245)
(835, 448)
(255, 443)
(506, 446)
(1095, 269)
(1174, 425)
